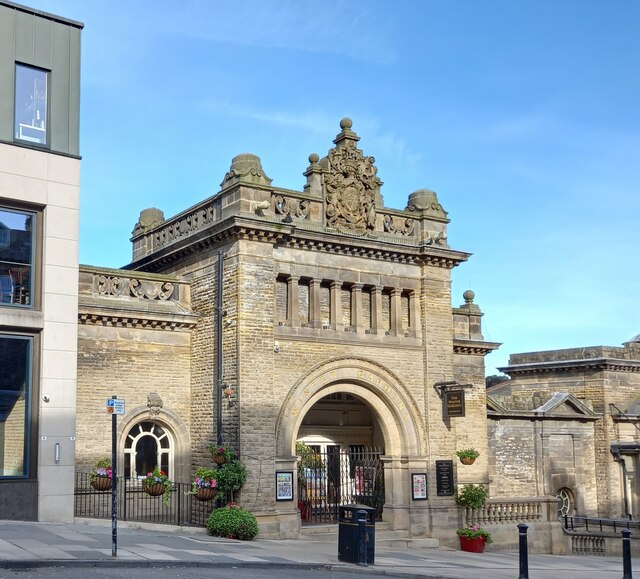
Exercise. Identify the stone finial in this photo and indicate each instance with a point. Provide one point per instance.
(425, 202)
(245, 168)
(468, 296)
(314, 158)
(148, 219)
(346, 134)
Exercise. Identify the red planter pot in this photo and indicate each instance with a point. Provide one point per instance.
(472, 545)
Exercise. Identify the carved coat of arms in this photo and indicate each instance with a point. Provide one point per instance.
(351, 184)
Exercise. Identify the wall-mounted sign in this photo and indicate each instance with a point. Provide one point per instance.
(284, 485)
(444, 478)
(453, 403)
(419, 486)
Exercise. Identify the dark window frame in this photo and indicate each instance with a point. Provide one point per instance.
(47, 123)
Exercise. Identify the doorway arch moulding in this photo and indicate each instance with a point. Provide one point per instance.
(398, 413)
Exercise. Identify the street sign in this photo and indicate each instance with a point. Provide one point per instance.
(115, 406)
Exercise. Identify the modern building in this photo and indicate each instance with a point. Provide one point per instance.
(39, 201)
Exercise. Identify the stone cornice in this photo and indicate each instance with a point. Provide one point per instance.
(474, 347)
(568, 366)
(92, 315)
(293, 235)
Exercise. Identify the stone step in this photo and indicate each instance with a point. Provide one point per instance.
(385, 538)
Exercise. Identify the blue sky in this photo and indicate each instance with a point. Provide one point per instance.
(523, 116)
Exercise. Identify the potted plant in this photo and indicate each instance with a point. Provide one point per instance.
(468, 455)
(222, 454)
(232, 522)
(472, 496)
(102, 475)
(157, 483)
(473, 538)
(205, 485)
(231, 476)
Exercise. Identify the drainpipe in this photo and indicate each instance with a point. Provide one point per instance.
(219, 315)
(615, 451)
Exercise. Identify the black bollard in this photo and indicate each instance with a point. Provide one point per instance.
(524, 554)
(626, 554)
(362, 539)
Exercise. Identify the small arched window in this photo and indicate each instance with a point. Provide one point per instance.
(147, 445)
(565, 502)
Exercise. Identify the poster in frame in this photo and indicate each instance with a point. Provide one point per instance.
(419, 486)
(284, 485)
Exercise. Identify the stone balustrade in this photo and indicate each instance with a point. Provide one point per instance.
(513, 511)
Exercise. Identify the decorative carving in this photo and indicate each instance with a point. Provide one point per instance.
(351, 185)
(407, 227)
(150, 290)
(155, 404)
(109, 286)
(184, 225)
(289, 206)
(439, 239)
(246, 168)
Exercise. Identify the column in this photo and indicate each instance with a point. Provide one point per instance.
(376, 311)
(396, 313)
(293, 317)
(336, 306)
(356, 308)
(315, 320)
(415, 329)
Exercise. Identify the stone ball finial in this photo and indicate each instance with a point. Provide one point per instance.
(468, 296)
(314, 158)
(346, 123)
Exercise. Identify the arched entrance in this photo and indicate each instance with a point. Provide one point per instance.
(339, 448)
(390, 420)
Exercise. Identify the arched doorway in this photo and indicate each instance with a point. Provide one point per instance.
(339, 445)
(147, 445)
(395, 420)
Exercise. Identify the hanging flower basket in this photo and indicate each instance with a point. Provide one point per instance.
(472, 545)
(101, 483)
(154, 490)
(206, 494)
(467, 460)
(220, 459)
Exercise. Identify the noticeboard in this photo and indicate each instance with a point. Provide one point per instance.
(444, 478)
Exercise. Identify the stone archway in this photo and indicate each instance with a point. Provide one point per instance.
(397, 413)
(400, 419)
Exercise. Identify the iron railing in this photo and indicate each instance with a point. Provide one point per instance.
(136, 505)
(595, 525)
(337, 477)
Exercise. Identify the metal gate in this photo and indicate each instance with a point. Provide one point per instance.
(333, 477)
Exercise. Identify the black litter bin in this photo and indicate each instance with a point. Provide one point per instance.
(356, 534)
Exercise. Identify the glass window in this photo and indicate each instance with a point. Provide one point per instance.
(16, 257)
(15, 379)
(31, 109)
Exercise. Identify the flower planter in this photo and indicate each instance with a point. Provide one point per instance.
(205, 494)
(154, 490)
(475, 545)
(467, 460)
(102, 483)
(220, 459)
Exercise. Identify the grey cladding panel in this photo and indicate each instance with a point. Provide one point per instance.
(42, 44)
(60, 89)
(7, 63)
(74, 91)
(24, 37)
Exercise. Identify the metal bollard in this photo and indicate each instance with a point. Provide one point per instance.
(626, 554)
(524, 554)
(362, 539)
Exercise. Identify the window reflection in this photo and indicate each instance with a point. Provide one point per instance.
(16, 257)
(31, 104)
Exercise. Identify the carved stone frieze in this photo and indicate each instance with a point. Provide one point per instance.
(405, 227)
(143, 289)
(150, 290)
(439, 239)
(351, 185)
(289, 206)
(184, 225)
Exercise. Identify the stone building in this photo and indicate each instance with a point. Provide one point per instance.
(336, 328)
(567, 424)
(39, 201)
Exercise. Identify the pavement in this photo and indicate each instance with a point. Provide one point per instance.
(88, 543)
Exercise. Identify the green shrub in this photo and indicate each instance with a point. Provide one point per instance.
(233, 522)
(474, 496)
(231, 476)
